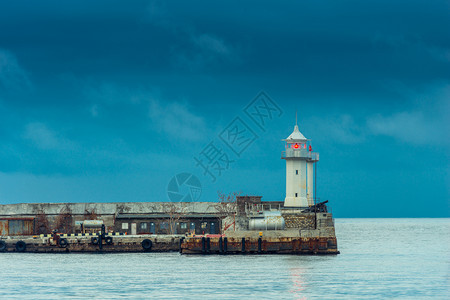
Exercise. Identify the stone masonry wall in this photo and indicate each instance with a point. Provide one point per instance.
(300, 221)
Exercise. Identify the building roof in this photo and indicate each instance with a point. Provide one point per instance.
(296, 136)
(165, 216)
(32, 209)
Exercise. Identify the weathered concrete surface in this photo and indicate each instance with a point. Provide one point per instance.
(293, 233)
(108, 212)
(308, 233)
(265, 245)
(31, 209)
(272, 242)
(166, 243)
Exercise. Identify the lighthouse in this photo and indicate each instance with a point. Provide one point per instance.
(300, 162)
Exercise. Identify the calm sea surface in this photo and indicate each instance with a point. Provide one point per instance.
(380, 258)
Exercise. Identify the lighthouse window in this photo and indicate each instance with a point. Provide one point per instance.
(296, 172)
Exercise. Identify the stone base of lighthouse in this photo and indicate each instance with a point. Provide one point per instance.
(296, 202)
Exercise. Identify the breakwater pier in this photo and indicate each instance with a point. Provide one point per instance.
(185, 245)
(301, 224)
(247, 225)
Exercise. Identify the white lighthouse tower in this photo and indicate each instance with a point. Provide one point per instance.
(299, 170)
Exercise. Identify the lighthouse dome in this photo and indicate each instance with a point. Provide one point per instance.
(296, 136)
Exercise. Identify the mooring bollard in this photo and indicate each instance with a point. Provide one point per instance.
(243, 245)
(203, 245)
(220, 245)
(101, 237)
(259, 245)
(3, 246)
(225, 245)
(181, 242)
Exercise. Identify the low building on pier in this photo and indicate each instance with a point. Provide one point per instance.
(128, 217)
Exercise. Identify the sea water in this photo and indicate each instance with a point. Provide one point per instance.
(380, 258)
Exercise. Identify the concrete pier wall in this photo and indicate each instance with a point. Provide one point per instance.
(64, 217)
(31, 209)
(151, 217)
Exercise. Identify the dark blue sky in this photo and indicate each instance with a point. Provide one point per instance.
(108, 101)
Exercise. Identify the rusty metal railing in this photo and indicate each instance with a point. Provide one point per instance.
(301, 153)
(257, 208)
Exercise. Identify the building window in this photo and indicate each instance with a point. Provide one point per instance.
(143, 225)
(295, 194)
(152, 227)
(204, 225)
(183, 225)
(164, 225)
(124, 225)
(296, 172)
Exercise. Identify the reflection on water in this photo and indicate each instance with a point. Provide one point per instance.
(379, 259)
(298, 283)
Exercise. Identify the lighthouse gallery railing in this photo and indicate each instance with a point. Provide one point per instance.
(302, 153)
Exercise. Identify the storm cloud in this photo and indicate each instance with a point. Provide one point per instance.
(106, 101)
